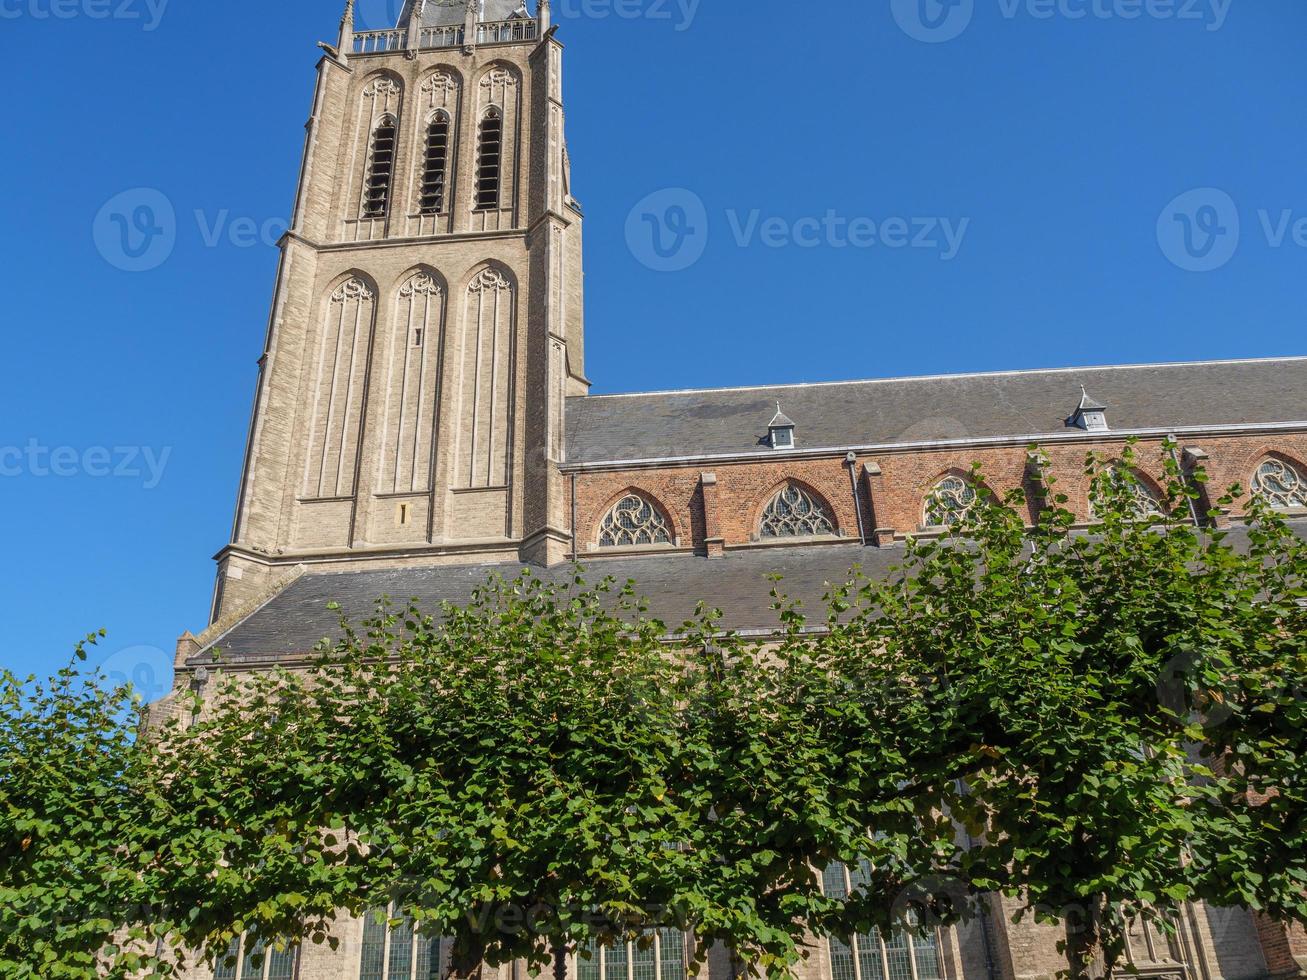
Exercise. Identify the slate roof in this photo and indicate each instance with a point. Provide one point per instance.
(296, 619)
(446, 13)
(844, 415)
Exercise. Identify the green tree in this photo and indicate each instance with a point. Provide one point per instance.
(73, 802)
(1058, 673)
(1096, 724)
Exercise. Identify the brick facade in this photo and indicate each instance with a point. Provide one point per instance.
(892, 487)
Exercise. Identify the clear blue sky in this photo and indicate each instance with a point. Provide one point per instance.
(1059, 139)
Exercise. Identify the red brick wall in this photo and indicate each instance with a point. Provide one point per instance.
(1285, 947)
(895, 500)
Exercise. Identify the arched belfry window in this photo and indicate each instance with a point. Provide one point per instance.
(951, 502)
(381, 169)
(1281, 485)
(490, 145)
(435, 165)
(633, 521)
(795, 513)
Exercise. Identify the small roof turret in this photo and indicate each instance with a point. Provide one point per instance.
(780, 430)
(1090, 414)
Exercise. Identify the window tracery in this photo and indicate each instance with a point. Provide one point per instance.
(951, 502)
(633, 521)
(1280, 484)
(794, 513)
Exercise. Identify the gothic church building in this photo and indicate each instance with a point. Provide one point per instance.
(422, 416)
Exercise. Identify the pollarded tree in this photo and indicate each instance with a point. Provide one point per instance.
(1057, 671)
(74, 840)
(532, 773)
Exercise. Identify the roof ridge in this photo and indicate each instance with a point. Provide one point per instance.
(945, 377)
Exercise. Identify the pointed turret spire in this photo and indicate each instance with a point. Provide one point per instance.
(346, 45)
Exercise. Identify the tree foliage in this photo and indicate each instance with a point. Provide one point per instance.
(73, 802)
(1098, 724)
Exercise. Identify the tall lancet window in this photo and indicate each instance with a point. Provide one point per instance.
(249, 958)
(911, 953)
(392, 949)
(490, 145)
(435, 164)
(412, 386)
(340, 370)
(381, 169)
(485, 382)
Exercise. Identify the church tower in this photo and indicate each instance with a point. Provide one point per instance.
(427, 324)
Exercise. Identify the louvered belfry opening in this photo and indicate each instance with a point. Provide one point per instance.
(381, 167)
(432, 199)
(489, 152)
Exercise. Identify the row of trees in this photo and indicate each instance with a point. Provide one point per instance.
(1091, 724)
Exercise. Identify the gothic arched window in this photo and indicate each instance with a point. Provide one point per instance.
(343, 358)
(381, 169)
(248, 958)
(1142, 499)
(910, 954)
(661, 956)
(633, 521)
(398, 951)
(490, 143)
(1280, 485)
(951, 502)
(795, 513)
(435, 163)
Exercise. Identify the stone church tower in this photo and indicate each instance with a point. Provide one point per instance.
(427, 324)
